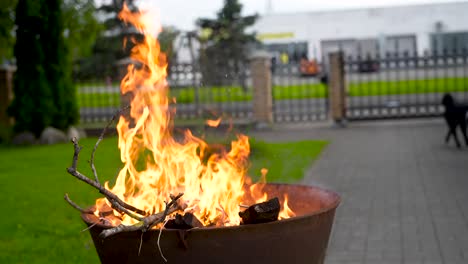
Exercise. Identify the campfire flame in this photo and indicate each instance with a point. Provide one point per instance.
(213, 123)
(157, 165)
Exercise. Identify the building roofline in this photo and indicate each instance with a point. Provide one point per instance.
(356, 9)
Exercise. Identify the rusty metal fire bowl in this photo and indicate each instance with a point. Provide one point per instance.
(301, 239)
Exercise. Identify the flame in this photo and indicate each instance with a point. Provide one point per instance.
(213, 123)
(286, 212)
(256, 190)
(157, 165)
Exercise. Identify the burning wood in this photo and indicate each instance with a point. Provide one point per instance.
(262, 212)
(145, 221)
(186, 221)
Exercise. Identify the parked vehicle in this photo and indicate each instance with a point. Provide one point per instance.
(368, 65)
(309, 67)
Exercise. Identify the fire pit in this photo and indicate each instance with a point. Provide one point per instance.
(186, 201)
(301, 239)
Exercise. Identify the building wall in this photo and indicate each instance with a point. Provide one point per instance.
(377, 23)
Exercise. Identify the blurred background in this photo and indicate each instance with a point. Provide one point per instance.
(302, 69)
(399, 56)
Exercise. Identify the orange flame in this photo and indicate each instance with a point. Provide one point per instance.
(213, 123)
(286, 212)
(155, 164)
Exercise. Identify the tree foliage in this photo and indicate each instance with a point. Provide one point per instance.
(225, 41)
(166, 39)
(44, 93)
(7, 22)
(58, 65)
(32, 103)
(81, 27)
(107, 49)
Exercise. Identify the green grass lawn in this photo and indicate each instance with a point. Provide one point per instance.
(99, 99)
(441, 85)
(37, 226)
(284, 92)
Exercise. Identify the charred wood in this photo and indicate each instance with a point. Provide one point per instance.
(186, 221)
(262, 212)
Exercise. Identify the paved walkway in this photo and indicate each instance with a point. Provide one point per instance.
(404, 193)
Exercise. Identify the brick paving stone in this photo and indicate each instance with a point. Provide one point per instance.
(404, 192)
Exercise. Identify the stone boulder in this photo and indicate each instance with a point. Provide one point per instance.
(74, 132)
(24, 138)
(52, 135)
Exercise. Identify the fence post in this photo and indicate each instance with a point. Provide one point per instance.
(260, 66)
(337, 96)
(6, 94)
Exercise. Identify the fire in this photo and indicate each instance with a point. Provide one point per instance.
(286, 212)
(213, 123)
(157, 165)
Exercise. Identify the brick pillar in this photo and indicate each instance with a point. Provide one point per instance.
(260, 63)
(6, 94)
(337, 96)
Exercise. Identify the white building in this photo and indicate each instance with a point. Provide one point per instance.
(416, 28)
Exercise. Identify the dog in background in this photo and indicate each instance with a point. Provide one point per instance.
(455, 116)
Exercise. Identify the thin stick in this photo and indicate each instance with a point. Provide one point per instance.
(102, 219)
(141, 242)
(89, 227)
(147, 222)
(74, 205)
(111, 197)
(168, 208)
(159, 239)
(101, 137)
(144, 223)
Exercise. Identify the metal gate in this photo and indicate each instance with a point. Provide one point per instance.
(297, 98)
(401, 86)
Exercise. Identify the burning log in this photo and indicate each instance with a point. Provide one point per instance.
(262, 212)
(186, 221)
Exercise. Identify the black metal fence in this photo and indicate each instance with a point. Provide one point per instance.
(298, 97)
(98, 100)
(390, 86)
(230, 98)
(404, 85)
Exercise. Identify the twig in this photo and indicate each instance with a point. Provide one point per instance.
(141, 243)
(112, 198)
(101, 137)
(159, 239)
(89, 227)
(77, 207)
(224, 214)
(146, 223)
(170, 208)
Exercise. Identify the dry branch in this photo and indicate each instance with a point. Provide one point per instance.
(101, 137)
(115, 201)
(146, 223)
(77, 207)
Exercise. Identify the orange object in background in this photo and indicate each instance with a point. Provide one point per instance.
(309, 67)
